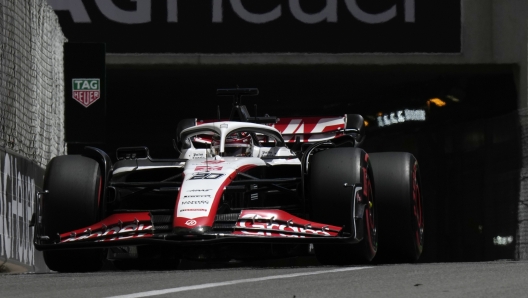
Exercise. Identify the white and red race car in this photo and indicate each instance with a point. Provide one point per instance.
(244, 188)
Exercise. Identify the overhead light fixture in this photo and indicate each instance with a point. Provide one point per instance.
(400, 116)
(436, 101)
(503, 241)
(454, 99)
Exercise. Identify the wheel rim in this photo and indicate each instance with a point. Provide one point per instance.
(417, 208)
(371, 219)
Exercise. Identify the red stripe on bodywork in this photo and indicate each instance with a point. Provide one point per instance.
(333, 127)
(272, 223)
(207, 220)
(245, 168)
(122, 225)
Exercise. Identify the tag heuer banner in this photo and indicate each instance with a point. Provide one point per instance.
(86, 91)
(264, 26)
(85, 85)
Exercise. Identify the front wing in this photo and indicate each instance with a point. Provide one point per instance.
(138, 228)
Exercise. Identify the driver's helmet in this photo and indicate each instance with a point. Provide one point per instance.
(236, 144)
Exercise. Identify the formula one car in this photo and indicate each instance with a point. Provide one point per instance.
(242, 189)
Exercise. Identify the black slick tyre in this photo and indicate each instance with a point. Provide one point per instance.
(74, 188)
(399, 198)
(334, 203)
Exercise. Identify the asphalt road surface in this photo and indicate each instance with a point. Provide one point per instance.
(489, 279)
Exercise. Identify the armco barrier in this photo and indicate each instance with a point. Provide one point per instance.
(20, 180)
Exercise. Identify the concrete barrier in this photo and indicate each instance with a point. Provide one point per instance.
(20, 181)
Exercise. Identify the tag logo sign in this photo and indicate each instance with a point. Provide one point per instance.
(86, 91)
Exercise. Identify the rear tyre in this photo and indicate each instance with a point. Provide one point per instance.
(333, 203)
(74, 184)
(399, 198)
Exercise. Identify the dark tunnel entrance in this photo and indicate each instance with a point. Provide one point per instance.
(467, 143)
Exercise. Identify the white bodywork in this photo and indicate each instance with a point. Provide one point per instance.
(206, 174)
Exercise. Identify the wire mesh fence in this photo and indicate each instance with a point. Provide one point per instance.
(31, 81)
(522, 213)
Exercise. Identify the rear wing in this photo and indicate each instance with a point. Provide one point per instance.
(312, 129)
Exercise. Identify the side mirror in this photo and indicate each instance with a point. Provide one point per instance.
(183, 124)
(355, 124)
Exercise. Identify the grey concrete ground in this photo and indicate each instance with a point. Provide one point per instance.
(488, 279)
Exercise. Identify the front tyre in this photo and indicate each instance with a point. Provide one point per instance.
(74, 186)
(335, 204)
(399, 197)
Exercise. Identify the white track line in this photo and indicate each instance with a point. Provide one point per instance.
(232, 282)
